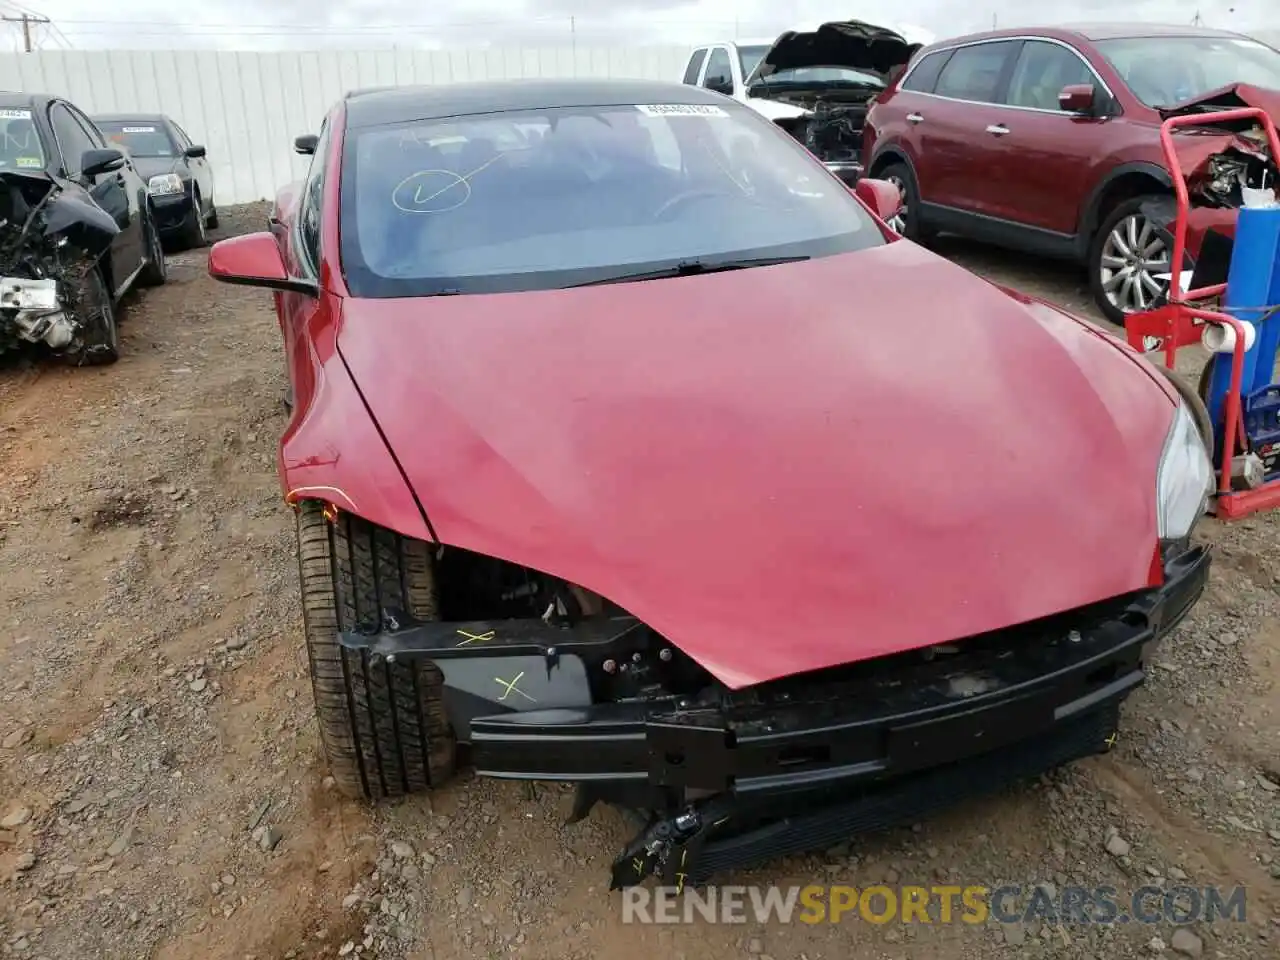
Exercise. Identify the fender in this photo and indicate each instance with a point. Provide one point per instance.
(332, 451)
(891, 150)
(1089, 218)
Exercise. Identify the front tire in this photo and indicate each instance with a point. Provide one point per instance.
(98, 342)
(192, 232)
(900, 175)
(1129, 261)
(156, 271)
(383, 725)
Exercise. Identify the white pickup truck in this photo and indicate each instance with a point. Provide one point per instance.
(815, 82)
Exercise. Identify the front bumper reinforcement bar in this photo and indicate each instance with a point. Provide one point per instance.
(799, 763)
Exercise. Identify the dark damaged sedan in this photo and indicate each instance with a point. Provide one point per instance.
(176, 170)
(77, 231)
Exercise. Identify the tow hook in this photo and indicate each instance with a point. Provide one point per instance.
(667, 848)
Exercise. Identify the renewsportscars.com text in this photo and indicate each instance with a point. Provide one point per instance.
(973, 904)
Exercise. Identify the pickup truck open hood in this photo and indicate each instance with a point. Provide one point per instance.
(784, 468)
(841, 43)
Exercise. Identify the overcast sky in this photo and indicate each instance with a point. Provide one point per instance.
(295, 24)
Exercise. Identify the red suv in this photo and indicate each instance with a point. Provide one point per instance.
(1048, 140)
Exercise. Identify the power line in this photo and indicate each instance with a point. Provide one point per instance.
(27, 20)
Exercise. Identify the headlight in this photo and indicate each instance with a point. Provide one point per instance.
(164, 183)
(1184, 480)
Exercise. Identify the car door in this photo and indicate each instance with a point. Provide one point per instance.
(1048, 158)
(961, 131)
(109, 190)
(199, 167)
(898, 120)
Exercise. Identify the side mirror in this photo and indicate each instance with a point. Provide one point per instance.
(883, 197)
(195, 151)
(1077, 98)
(254, 260)
(305, 144)
(99, 161)
(720, 85)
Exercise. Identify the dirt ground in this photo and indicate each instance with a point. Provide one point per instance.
(162, 792)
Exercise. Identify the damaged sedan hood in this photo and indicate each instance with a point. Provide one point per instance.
(34, 205)
(779, 469)
(1231, 97)
(849, 43)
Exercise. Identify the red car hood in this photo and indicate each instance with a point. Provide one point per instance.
(780, 469)
(1229, 97)
(1195, 147)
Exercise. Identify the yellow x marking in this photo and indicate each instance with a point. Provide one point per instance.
(1111, 740)
(512, 688)
(487, 635)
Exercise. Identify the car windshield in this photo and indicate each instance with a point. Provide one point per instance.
(1164, 71)
(750, 57)
(821, 75)
(20, 147)
(552, 198)
(142, 138)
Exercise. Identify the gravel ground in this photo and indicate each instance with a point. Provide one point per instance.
(161, 788)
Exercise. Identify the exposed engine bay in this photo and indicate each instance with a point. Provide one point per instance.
(1224, 161)
(819, 84)
(832, 131)
(51, 238)
(1227, 165)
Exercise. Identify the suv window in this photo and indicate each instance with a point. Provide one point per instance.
(695, 67)
(719, 68)
(72, 138)
(1041, 72)
(924, 76)
(973, 73)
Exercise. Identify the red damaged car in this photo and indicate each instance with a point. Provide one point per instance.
(1048, 140)
(630, 448)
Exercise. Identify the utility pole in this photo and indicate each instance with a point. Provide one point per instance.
(26, 20)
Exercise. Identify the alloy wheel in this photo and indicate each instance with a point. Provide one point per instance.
(1134, 267)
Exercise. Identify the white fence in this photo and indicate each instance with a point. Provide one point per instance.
(247, 107)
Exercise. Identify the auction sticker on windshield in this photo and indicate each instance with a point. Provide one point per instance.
(680, 110)
(138, 130)
(15, 114)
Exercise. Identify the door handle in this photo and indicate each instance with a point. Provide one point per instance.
(914, 118)
(997, 129)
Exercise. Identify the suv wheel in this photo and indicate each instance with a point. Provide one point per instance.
(383, 725)
(907, 222)
(1128, 261)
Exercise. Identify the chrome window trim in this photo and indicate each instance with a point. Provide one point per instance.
(951, 48)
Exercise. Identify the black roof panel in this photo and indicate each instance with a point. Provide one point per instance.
(375, 107)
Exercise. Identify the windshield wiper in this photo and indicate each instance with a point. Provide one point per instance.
(688, 268)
